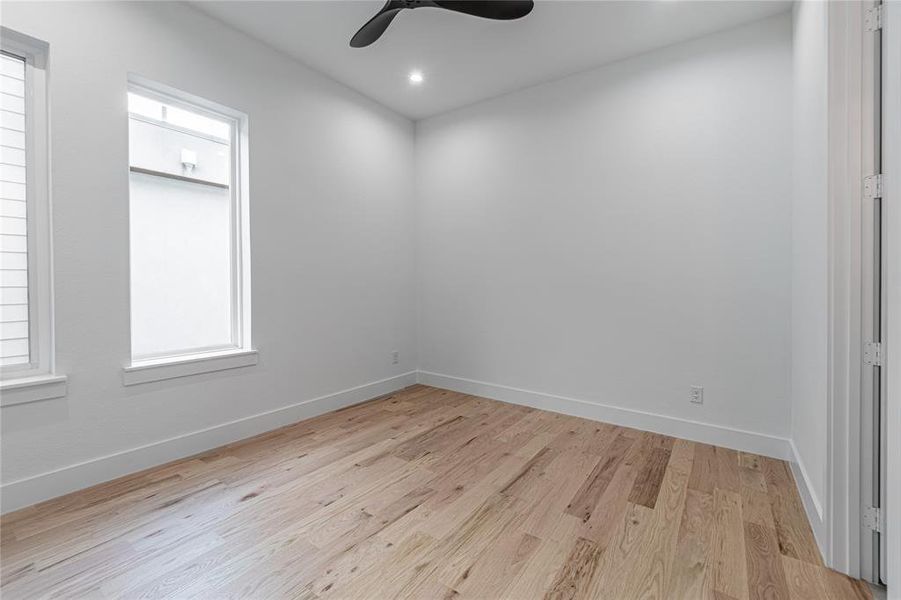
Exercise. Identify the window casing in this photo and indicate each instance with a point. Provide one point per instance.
(189, 233)
(26, 291)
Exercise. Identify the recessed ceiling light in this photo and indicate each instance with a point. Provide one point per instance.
(416, 77)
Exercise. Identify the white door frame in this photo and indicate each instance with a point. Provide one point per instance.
(891, 167)
(871, 389)
(852, 99)
(845, 174)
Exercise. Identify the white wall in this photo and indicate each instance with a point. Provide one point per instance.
(331, 225)
(620, 235)
(809, 252)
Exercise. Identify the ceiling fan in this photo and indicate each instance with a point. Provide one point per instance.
(503, 10)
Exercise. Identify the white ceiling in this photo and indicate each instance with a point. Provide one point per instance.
(467, 59)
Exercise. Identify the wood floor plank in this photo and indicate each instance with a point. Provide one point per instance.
(705, 470)
(546, 518)
(586, 499)
(841, 586)
(647, 485)
(539, 573)
(621, 553)
(804, 580)
(729, 566)
(651, 573)
(766, 579)
(530, 473)
(432, 494)
(462, 547)
(792, 528)
(691, 576)
(750, 461)
(406, 559)
(574, 578)
(611, 507)
(752, 479)
(497, 566)
(728, 464)
(755, 508)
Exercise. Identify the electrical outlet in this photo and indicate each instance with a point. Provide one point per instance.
(395, 357)
(696, 394)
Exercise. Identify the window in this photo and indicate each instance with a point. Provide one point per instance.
(188, 235)
(26, 313)
(16, 346)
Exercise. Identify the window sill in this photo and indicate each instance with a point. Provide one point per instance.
(32, 389)
(183, 366)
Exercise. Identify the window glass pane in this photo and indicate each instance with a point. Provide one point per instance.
(146, 107)
(14, 342)
(164, 149)
(181, 266)
(178, 116)
(200, 123)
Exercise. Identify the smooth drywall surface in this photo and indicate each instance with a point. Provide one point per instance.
(620, 235)
(809, 255)
(331, 226)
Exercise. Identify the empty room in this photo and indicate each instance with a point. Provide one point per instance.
(433, 299)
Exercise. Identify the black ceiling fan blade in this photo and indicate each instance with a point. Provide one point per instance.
(376, 26)
(504, 10)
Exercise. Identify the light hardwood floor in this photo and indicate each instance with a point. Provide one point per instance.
(431, 494)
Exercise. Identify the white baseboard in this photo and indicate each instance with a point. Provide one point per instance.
(28, 491)
(747, 441)
(812, 505)
(24, 492)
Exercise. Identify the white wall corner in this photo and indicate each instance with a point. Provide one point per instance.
(812, 504)
(44, 486)
(696, 431)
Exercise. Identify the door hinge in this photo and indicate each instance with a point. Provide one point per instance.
(873, 19)
(872, 354)
(872, 186)
(872, 518)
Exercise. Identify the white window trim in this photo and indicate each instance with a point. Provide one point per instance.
(32, 389)
(183, 366)
(37, 380)
(141, 370)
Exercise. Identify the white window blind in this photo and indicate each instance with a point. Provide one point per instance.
(14, 314)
